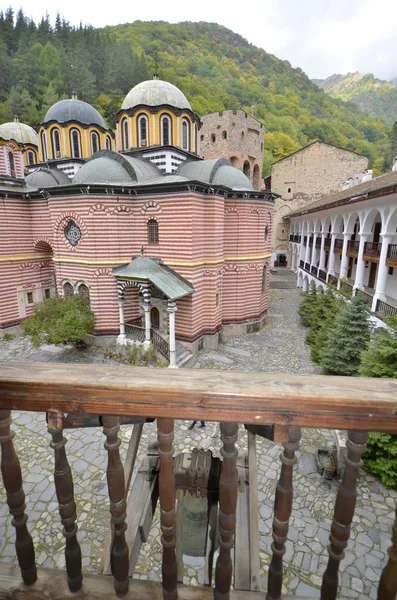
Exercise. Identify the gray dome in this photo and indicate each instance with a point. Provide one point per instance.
(75, 110)
(216, 171)
(44, 177)
(111, 168)
(21, 133)
(154, 93)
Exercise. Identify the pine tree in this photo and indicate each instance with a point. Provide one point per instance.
(380, 358)
(307, 306)
(323, 320)
(346, 342)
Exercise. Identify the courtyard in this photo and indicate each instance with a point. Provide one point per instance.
(279, 347)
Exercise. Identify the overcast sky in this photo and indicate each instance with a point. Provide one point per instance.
(320, 36)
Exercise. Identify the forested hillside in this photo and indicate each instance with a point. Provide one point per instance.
(374, 95)
(216, 69)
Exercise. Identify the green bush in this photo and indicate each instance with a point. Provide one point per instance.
(8, 337)
(351, 335)
(308, 304)
(381, 457)
(323, 320)
(60, 320)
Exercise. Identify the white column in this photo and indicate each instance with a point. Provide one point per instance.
(147, 342)
(345, 258)
(307, 254)
(359, 281)
(314, 249)
(322, 251)
(122, 338)
(331, 263)
(381, 282)
(171, 309)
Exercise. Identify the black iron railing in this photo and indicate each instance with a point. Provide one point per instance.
(353, 245)
(313, 269)
(161, 344)
(307, 266)
(135, 333)
(383, 308)
(372, 249)
(137, 322)
(322, 275)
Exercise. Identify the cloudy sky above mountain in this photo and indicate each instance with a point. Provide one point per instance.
(320, 36)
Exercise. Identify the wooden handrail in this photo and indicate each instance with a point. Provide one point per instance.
(240, 397)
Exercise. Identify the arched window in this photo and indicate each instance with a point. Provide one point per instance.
(224, 135)
(185, 134)
(124, 130)
(152, 232)
(95, 143)
(264, 279)
(84, 291)
(75, 143)
(43, 146)
(68, 290)
(143, 131)
(256, 177)
(247, 169)
(266, 233)
(56, 143)
(166, 134)
(213, 138)
(108, 143)
(31, 157)
(12, 164)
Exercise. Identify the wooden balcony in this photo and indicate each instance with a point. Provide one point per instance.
(372, 251)
(322, 275)
(327, 243)
(338, 246)
(286, 402)
(391, 259)
(352, 248)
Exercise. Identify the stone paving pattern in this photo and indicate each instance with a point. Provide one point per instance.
(278, 347)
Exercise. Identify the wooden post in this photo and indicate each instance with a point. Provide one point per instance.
(165, 429)
(12, 478)
(388, 582)
(344, 512)
(116, 487)
(67, 507)
(227, 510)
(282, 512)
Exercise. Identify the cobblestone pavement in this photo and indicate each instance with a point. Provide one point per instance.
(278, 347)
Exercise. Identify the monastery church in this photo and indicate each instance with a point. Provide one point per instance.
(171, 249)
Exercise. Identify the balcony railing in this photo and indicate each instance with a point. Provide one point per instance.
(302, 263)
(287, 402)
(392, 252)
(137, 322)
(297, 238)
(307, 266)
(135, 333)
(313, 269)
(338, 244)
(332, 279)
(372, 249)
(383, 308)
(322, 275)
(353, 246)
(366, 297)
(161, 344)
(318, 242)
(327, 243)
(291, 237)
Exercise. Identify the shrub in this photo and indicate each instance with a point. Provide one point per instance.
(8, 337)
(323, 320)
(381, 457)
(308, 304)
(60, 320)
(346, 341)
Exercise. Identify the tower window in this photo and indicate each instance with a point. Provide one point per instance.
(201, 138)
(152, 232)
(124, 129)
(12, 164)
(31, 157)
(95, 143)
(224, 135)
(43, 145)
(75, 143)
(166, 138)
(29, 298)
(143, 131)
(56, 143)
(185, 134)
(213, 138)
(108, 143)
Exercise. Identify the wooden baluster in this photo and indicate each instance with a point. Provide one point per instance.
(343, 513)
(67, 507)
(116, 487)
(282, 512)
(165, 428)
(12, 478)
(227, 510)
(388, 582)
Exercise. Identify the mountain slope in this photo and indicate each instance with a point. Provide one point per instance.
(374, 95)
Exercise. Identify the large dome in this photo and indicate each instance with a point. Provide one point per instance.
(110, 168)
(154, 93)
(19, 132)
(44, 177)
(75, 110)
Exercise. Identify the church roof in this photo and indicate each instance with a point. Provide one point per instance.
(162, 277)
(45, 177)
(75, 110)
(19, 132)
(155, 92)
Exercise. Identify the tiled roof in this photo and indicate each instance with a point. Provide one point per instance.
(344, 196)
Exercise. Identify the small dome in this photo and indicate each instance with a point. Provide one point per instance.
(232, 178)
(111, 168)
(154, 93)
(44, 177)
(19, 132)
(75, 110)
(216, 171)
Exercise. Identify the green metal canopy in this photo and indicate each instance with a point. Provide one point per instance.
(156, 272)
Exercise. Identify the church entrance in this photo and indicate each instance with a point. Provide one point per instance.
(155, 318)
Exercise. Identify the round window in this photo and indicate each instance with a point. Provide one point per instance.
(72, 233)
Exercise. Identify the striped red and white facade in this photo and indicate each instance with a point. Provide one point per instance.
(219, 242)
